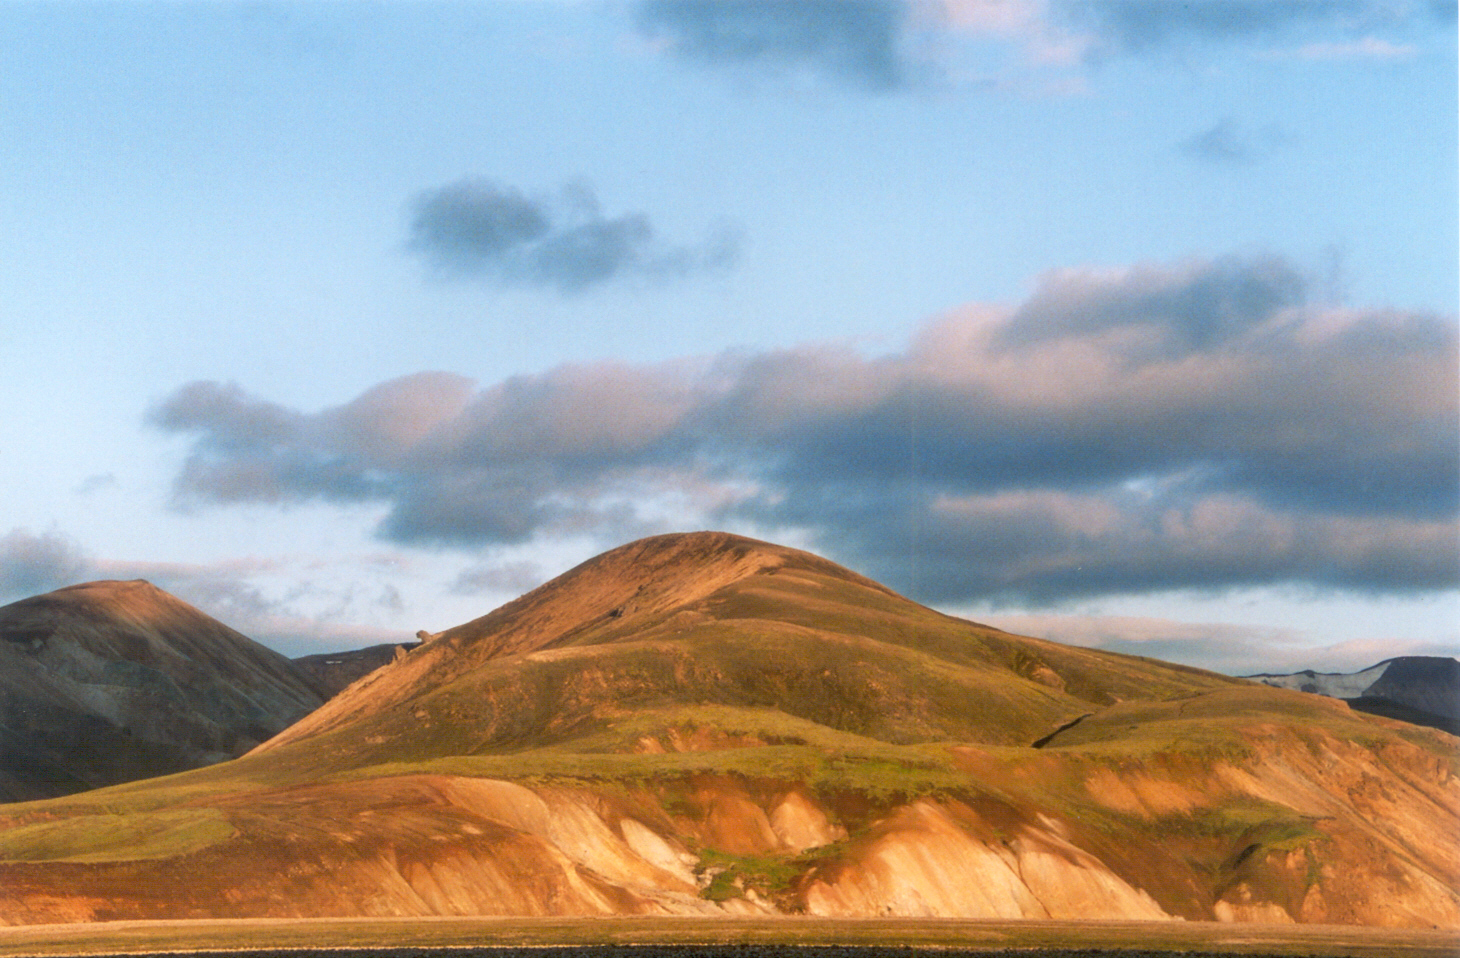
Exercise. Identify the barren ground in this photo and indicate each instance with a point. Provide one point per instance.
(722, 938)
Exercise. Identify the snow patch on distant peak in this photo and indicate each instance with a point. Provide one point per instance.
(1339, 685)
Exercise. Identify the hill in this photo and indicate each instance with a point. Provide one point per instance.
(107, 682)
(705, 724)
(1423, 689)
(332, 672)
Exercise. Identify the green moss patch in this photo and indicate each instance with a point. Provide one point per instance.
(115, 838)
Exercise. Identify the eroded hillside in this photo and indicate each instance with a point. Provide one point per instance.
(704, 724)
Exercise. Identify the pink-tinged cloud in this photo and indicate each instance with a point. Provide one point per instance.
(1197, 424)
(1222, 646)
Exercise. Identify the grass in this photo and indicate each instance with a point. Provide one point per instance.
(881, 773)
(116, 838)
(770, 875)
(999, 937)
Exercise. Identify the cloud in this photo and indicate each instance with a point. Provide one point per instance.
(31, 564)
(1134, 25)
(1222, 647)
(849, 40)
(513, 577)
(1188, 425)
(894, 45)
(1366, 48)
(477, 229)
(295, 606)
(1226, 142)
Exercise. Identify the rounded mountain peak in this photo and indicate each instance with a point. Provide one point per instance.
(647, 576)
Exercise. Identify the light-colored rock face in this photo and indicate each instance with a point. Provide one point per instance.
(799, 824)
(926, 863)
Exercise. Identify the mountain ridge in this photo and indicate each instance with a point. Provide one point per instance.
(707, 725)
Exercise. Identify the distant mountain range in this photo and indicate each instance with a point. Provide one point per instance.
(704, 724)
(1421, 689)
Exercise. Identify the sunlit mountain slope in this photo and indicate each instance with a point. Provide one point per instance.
(705, 724)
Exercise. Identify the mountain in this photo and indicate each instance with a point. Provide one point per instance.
(107, 682)
(1422, 689)
(706, 724)
(332, 672)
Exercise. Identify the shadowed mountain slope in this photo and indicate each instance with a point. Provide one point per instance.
(107, 682)
(705, 724)
(332, 672)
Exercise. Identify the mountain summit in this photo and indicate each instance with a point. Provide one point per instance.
(706, 724)
(109, 681)
(711, 618)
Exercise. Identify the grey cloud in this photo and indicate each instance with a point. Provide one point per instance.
(1044, 547)
(850, 40)
(1174, 310)
(1184, 426)
(514, 577)
(477, 229)
(31, 564)
(1138, 24)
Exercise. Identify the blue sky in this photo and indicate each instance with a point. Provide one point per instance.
(1124, 322)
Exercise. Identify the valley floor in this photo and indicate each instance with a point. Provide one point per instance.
(718, 938)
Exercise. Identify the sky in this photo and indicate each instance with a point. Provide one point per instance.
(1127, 323)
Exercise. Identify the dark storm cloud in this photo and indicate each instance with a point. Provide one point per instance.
(1192, 425)
(31, 564)
(854, 40)
(478, 229)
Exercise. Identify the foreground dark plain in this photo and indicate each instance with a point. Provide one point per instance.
(720, 938)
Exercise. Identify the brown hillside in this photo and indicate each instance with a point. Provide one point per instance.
(704, 724)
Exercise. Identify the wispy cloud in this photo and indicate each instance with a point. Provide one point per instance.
(891, 45)
(1159, 426)
(1138, 25)
(1365, 48)
(1228, 142)
(477, 229)
(1223, 647)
